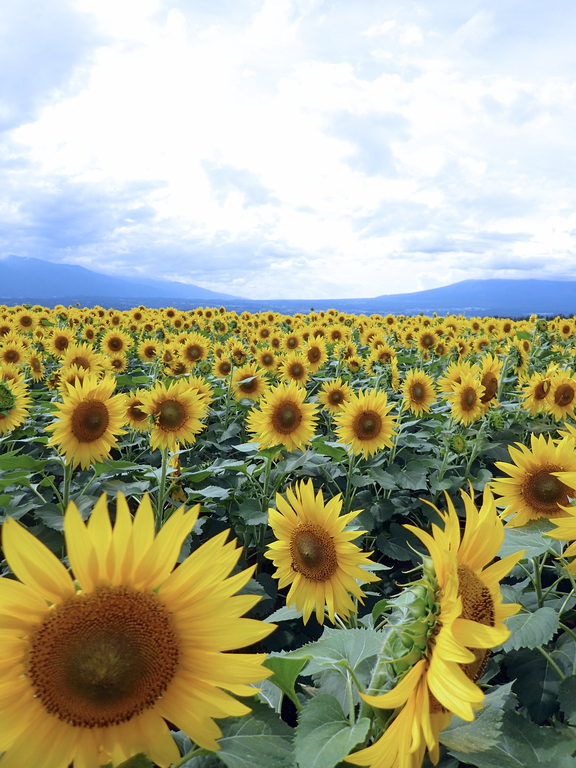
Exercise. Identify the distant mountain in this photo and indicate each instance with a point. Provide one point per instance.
(41, 280)
(26, 280)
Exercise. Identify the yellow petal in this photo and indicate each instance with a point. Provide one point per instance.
(34, 564)
(398, 695)
(81, 552)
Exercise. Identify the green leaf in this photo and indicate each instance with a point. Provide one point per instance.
(530, 537)
(531, 630)
(334, 450)
(284, 614)
(483, 732)
(286, 673)
(251, 512)
(536, 682)
(212, 492)
(324, 735)
(21, 461)
(113, 467)
(137, 761)
(524, 335)
(257, 740)
(522, 743)
(337, 649)
(567, 698)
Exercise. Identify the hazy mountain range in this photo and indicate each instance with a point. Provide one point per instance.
(26, 280)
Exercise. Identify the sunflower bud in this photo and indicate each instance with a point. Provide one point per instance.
(7, 399)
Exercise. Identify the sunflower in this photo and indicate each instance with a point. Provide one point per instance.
(71, 374)
(292, 341)
(283, 418)
(26, 321)
(419, 392)
(202, 388)
(354, 363)
(135, 416)
(363, 422)
(294, 367)
(14, 404)
(566, 526)
(535, 391)
(116, 342)
(333, 394)
(84, 356)
(222, 367)
(491, 367)
(427, 340)
(13, 353)
(562, 397)
(59, 341)
(315, 354)
(266, 358)
(176, 411)
(532, 489)
(451, 641)
(148, 350)
(249, 382)
(98, 665)
(36, 364)
(454, 373)
(115, 363)
(466, 400)
(90, 419)
(314, 554)
(195, 348)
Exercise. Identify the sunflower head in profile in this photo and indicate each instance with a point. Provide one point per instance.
(14, 404)
(364, 422)
(283, 418)
(489, 378)
(89, 419)
(100, 665)
(136, 418)
(176, 411)
(535, 391)
(314, 553)
(333, 394)
(533, 489)
(457, 616)
(419, 392)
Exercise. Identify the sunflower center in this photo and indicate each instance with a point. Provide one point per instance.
(477, 605)
(296, 371)
(427, 341)
(115, 344)
(385, 357)
(336, 398)
(544, 493)
(194, 353)
(171, 415)
(101, 658)
(11, 356)
(267, 359)
(292, 342)
(367, 425)
(564, 395)
(135, 413)
(313, 552)
(225, 367)
(468, 399)
(36, 364)
(490, 384)
(286, 418)
(417, 393)
(61, 342)
(314, 355)
(541, 389)
(249, 386)
(25, 321)
(89, 421)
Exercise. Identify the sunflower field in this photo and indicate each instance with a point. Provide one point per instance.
(274, 541)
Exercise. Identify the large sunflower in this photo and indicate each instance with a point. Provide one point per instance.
(89, 420)
(363, 422)
(314, 554)
(419, 392)
(283, 418)
(176, 411)
(93, 668)
(532, 489)
(467, 619)
(14, 403)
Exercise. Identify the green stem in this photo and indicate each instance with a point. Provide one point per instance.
(552, 663)
(66, 486)
(475, 446)
(197, 751)
(162, 490)
(351, 716)
(228, 393)
(349, 474)
(537, 581)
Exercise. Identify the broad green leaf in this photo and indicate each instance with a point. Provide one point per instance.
(113, 467)
(15, 460)
(286, 671)
(284, 614)
(251, 512)
(137, 761)
(531, 630)
(257, 740)
(324, 735)
(522, 744)
(536, 682)
(530, 537)
(212, 492)
(337, 649)
(483, 731)
(567, 697)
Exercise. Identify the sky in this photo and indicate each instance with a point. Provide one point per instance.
(291, 148)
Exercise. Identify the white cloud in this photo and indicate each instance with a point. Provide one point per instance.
(309, 139)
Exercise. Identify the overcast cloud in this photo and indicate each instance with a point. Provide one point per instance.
(291, 148)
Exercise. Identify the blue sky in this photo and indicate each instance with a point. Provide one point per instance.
(291, 148)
